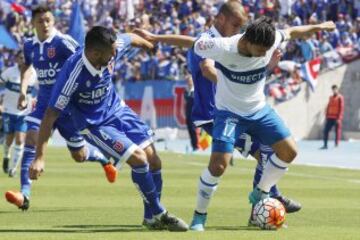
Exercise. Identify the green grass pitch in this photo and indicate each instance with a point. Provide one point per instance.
(74, 201)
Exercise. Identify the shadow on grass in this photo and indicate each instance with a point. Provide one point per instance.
(41, 210)
(232, 228)
(113, 228)
(80, 229)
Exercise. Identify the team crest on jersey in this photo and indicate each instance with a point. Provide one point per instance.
(51, 52)
(88, 83)
(205, 45)
(118, 146)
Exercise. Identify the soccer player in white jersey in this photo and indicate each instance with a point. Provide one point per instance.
(14, 119)
(47, 51)
(241, 63)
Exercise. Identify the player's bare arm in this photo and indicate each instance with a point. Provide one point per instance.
(26, 73)
(208, 70)
(171, 39)
(138, 41)
(307, 30)
(37, 166)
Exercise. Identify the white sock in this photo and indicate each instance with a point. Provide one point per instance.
(17, 155)
(206, 189)
(274, 169)
(7, 151)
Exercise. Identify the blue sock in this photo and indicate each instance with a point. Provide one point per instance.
(158, 181)
(144, 182)
(257, 175)
(28, 157)
(95, 155)
(156, 175)
(274, 191)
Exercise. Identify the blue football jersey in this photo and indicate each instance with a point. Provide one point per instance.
(86, 92)
(47, 58)
(204, 89)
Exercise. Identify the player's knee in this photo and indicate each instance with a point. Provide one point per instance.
(217, 169)
(30, 140)
(79, 156)
(153, 158)
(288, 155)
(154, 162)
(138, 158)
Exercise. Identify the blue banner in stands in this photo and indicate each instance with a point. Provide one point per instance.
(6, 39)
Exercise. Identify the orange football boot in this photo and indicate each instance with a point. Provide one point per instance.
(111, 172)
(18, 199)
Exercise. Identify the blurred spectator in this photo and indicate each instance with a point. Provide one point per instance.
(189, 17)
(324, 45)
(334, 116)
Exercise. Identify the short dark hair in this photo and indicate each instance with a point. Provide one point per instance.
(261, 32)
(333, 87)
(100, 38)
(41, 8)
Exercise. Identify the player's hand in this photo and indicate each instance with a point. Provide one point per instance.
(146, 35)
(36, 169)
(22, 102)
(328, 26)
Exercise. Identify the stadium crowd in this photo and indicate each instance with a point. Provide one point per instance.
(191, 17)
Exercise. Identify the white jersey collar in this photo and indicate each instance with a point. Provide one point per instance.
(215, 31)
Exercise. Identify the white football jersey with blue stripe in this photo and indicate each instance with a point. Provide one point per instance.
(11, 78)
(241, 79)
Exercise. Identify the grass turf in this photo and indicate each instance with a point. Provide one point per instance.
(74, 201)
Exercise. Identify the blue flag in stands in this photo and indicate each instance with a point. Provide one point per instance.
(77, 24)
(6, 39)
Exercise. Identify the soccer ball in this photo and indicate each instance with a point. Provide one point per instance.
(269, 214)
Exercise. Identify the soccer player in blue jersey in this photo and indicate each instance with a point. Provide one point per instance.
(47, 51)
(84, 88)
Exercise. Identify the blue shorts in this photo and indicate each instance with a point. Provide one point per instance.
(264, 125)
(245, 144)
(120, 136)
(63, 124)
(14, 123)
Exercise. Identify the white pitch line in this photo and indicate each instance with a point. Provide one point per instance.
(357, 181)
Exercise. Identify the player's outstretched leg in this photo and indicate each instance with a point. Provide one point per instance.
(155, 170)
(144, 182)
(275, 168)
(22, 199)
(207, 186)
(15, 159)
(93, 154)
(290, 205)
